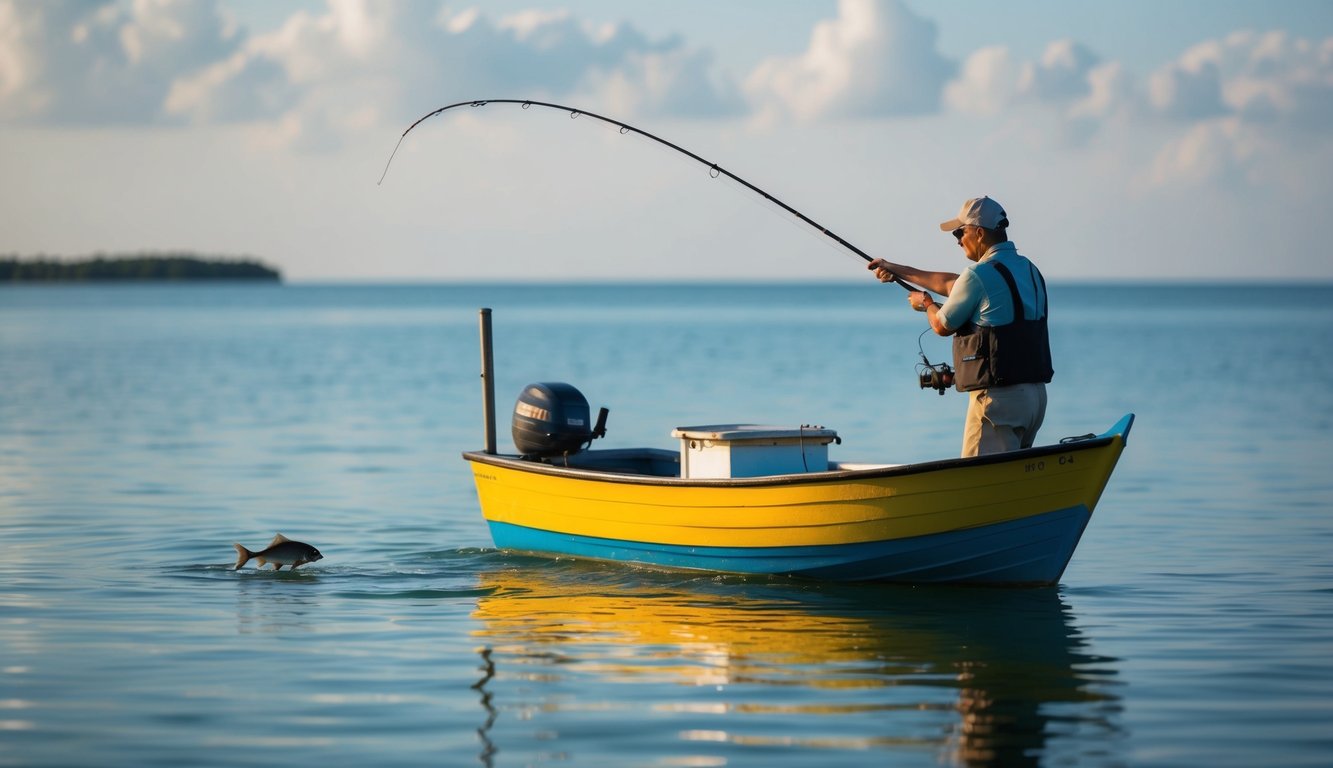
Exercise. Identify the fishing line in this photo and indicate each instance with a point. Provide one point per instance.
(714, 170)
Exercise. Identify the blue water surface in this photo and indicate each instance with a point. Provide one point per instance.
(145, 428)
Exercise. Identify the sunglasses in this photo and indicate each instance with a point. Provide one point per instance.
(958, 233)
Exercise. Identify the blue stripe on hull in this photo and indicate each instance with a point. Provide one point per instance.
(1034, 550)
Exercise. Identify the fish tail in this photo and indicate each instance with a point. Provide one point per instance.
(243, 556)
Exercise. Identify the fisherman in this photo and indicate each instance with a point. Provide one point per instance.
(1001, 356)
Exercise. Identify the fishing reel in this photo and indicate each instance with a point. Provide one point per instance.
(937, 376)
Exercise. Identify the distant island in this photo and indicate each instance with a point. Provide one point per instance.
(129, 267)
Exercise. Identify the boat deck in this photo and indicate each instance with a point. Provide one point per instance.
(650, 462)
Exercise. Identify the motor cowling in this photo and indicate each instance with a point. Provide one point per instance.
(553, 419)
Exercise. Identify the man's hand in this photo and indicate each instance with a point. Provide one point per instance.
(919, 300)
(886, 271)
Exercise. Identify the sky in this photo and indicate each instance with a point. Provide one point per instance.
(1171, 140)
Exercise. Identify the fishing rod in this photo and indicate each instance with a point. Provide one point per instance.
(714, 169)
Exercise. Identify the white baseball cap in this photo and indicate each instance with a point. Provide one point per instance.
(979, 212)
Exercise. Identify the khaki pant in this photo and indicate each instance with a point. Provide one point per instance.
(1003, 418)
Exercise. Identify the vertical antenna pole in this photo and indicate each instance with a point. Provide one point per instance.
(487, 379)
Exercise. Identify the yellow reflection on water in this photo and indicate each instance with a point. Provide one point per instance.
(967, 673)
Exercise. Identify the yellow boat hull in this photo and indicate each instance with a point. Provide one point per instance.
(1008, 518)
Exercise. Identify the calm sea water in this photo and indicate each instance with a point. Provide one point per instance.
(143, 429)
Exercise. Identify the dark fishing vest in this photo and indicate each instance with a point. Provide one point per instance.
(987, 356)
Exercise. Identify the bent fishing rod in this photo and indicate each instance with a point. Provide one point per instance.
(714, 169)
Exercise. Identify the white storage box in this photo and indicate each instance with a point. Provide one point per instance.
(752, 450)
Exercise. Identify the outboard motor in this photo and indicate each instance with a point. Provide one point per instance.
(553, 419)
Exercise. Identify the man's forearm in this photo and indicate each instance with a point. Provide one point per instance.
(935, 282)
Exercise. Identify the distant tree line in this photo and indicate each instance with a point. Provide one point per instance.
(143, 266)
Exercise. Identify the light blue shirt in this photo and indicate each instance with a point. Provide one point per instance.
(981, 296)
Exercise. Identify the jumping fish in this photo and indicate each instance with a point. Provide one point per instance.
(281, 551)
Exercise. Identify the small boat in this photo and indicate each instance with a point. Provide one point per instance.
(758, 499)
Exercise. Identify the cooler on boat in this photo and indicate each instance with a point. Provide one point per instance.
(752, 450)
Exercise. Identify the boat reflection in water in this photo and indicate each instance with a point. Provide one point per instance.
(717, 664)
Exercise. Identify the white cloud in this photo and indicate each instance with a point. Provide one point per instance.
(1061, 76)
(1235, 108)
(1065, 99)
(1252, 105)
(1188, 89)
(240, 87)
(876, 58)
(1110, 93)
(406, 59)
(675, 82)
(986, 85)
(1208, 152)
(13, 66)
(321, 74)
(79, 62)
(1259, 78)
(1268, 77)
(1069, 79)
